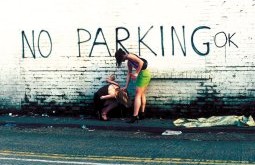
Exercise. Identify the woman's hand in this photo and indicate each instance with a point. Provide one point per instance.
(133, 76)
(124, 88)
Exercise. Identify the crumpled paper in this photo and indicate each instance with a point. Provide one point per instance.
(216, 121)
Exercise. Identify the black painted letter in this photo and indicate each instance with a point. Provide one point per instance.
(79, 39)
(184, 44)
(118, 41)
(140, 40)
(207, 43)
(44, 31)
(99, 30)
(23, 44)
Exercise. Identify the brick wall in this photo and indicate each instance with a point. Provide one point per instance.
(75, 41)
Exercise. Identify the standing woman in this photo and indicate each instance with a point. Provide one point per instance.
(142, 76)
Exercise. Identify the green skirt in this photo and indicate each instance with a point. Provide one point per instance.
(143, 78)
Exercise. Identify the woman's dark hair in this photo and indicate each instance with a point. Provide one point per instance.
(119, 56)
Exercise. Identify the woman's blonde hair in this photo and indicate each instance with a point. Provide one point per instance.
(123, 98)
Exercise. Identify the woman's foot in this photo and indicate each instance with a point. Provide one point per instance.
(141, 115)
(104, 117)
(133, 119)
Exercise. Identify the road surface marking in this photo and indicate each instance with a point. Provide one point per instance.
(53, 161)
(79, 159)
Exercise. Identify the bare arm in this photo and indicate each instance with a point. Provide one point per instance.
(111, 82)
(128, 76)
(139, 62)
(107, 97)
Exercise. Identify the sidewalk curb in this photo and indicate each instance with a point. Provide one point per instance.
(133, 128)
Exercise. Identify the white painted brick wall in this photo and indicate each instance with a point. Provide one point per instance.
(65, 78)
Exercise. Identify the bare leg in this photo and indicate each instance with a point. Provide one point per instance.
(143, 104)
(110, 104)
(137, 104)
(138, 100)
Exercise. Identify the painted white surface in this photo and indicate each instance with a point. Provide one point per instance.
(64, 77)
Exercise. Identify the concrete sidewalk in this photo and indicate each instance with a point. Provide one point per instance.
(153, 125)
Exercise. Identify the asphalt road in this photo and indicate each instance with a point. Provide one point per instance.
(36, 146)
